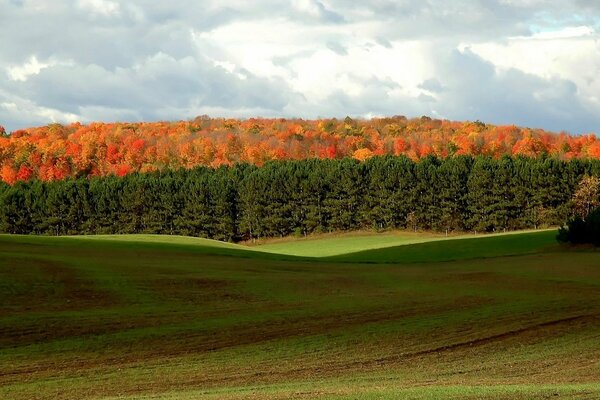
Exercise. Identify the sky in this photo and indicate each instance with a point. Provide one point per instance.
(525, 62)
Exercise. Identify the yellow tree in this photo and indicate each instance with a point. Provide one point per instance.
(587, 196)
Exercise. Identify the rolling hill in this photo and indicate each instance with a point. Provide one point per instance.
(147, 317)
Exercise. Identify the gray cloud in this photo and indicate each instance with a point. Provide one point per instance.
(155, 83)
(375, 98)
(471, 89)
(327, 14)
(337, 48)
(383, 42)
(474, 89)
(432, 85)
(143, 59)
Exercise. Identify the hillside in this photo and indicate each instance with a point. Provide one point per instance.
(55, 151)
(184, 318)
(393, 246)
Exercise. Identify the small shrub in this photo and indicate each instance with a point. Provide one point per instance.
(580, 231)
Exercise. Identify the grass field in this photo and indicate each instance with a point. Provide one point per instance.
(147, 317)
(337, 244)
(346, 244)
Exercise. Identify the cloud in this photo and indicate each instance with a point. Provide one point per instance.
(432, 85)
(102, 7)
(474, 87)
(145, 89)
(337, 48)
(529, 62)
(23, 72)
(383, 42)
(566, 33)
(19, 112)
(318, 10)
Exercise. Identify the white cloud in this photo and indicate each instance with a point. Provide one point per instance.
(305, 58)
(317, 9)
(102, 7)
(26, 112)
(572, 53)
(24, 71)
(565, 33)
(310, 7)
(518, 61)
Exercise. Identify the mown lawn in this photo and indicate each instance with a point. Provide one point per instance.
(513, 316)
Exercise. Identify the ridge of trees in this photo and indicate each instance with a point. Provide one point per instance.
(244, 201)
(56, 151)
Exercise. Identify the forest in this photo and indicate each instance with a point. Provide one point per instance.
(300, 197)
(56, 151)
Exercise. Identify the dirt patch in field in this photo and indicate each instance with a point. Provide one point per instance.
(456, 354)
(498, 281)
(58, 288)
(178, 344)
(531, 331)
(449, 364)
(78, 292)
(454, 363)
(196, 290)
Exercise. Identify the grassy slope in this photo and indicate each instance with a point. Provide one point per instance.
(198, 246)
(456, 249)
(332, 245)
(187, 320)
(162, 239)
(345, 245)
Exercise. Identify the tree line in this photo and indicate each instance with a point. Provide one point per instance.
(280, 198)
(59, 151)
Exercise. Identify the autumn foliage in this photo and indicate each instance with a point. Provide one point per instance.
(57, 151)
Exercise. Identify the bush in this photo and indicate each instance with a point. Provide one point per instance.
(580, 231)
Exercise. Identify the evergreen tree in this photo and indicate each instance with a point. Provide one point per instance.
(305, 196)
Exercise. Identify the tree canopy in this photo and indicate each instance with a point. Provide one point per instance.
(55, 151)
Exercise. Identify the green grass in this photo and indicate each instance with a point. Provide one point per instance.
(461, 248)
(376, 392)
(166, 239)
(332, 245)
(346, 245)
(150, 317)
